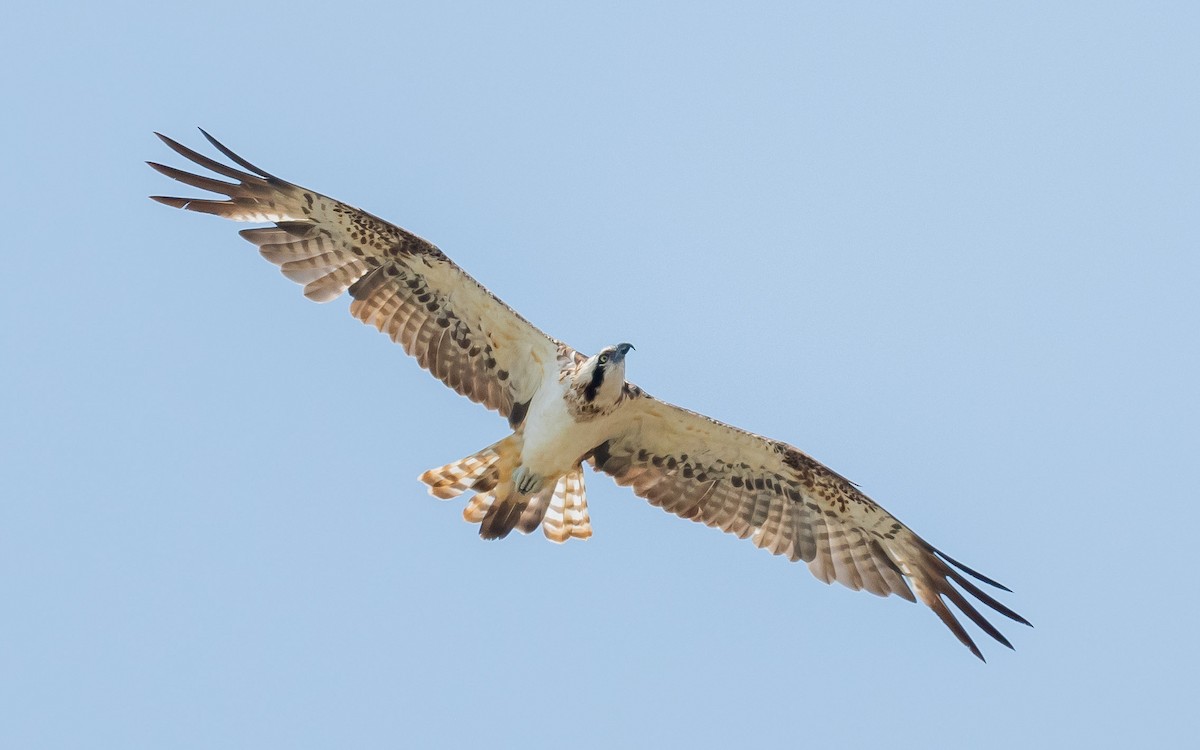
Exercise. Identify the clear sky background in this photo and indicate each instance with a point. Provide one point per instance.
(949, 251)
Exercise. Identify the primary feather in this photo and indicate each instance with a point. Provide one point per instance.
(566, 408)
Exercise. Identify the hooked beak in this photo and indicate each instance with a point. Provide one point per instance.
(617, 353)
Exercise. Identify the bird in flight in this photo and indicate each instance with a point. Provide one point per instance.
(566, 408)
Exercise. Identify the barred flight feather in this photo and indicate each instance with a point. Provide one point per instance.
(787, 503)
(331, 247)
(687, 464)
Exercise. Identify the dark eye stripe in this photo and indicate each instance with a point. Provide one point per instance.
(589, 391)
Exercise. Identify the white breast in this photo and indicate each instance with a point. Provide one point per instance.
(554, 441)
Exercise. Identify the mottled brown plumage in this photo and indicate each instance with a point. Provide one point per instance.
(567, 408)
(401, 284)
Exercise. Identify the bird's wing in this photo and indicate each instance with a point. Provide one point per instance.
(785, 502)
(401, 284)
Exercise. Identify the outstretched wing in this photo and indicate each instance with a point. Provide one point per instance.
(787, 503)
(401, 284)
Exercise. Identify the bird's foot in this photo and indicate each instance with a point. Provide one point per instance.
(526, 482)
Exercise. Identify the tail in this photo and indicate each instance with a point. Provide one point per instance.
(480, 472)
(567, 515)
(499, 508)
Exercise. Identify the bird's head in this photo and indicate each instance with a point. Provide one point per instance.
(604, 374)
(613, 356)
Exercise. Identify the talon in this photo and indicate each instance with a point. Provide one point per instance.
(526, 481)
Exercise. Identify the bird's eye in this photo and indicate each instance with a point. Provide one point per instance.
(603, 358)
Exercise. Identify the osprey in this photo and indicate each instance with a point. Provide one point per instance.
(566, 408)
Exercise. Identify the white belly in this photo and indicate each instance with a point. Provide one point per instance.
(554, 441)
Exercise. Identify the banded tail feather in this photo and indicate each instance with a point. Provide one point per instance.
(559, 507)
(567, 517)
(564, 405)
(479, 472)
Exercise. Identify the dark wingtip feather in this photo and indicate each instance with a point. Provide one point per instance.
(172, 202)
(975, 616)
(950, 621)
(983, 596)
(237, 159)
(194, 180)
(969, 571)
(940, 575)
(204, 161)
(172, 144)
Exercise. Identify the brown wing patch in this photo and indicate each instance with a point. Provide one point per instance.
(400, 302)
(786, 503)
(403, 285)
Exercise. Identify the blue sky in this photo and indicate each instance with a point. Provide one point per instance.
(949, 251)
